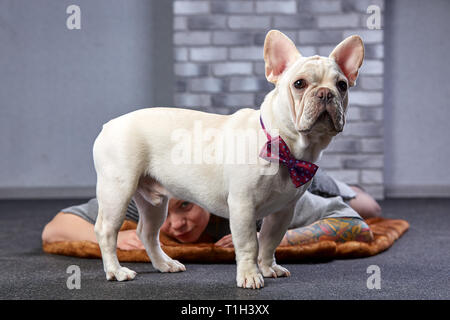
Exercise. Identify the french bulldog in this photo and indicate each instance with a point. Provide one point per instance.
(135, 158)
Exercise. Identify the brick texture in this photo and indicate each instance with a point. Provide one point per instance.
(219, 67)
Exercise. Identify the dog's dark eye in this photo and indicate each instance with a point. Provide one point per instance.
(342, 86)
(300, 84)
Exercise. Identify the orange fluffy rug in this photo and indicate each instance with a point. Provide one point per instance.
(385, 232)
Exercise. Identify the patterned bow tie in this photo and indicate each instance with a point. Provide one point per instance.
(301, 171)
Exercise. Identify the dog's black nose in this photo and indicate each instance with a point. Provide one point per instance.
(325, 94)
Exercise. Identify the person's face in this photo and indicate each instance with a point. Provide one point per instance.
(185, 221)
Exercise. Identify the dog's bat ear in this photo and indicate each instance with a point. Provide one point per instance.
(349, 55)
(279, 53)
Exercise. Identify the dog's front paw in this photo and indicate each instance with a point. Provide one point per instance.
(169, 265)
(274, 271)
(250, 279)
(121, 274)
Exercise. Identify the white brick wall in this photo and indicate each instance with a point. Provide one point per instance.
(337, 21)
(281, 6)
(190, 7)
(219, 67)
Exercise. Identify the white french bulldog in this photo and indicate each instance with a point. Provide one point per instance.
(133, 157)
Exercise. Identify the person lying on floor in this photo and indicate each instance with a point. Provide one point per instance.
(335, 212)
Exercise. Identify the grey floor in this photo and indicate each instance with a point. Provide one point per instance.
(416, 267)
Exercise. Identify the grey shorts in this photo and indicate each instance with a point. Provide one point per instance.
(325, 186)
(326, 199)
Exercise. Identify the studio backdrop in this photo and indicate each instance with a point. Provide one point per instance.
(67, 67)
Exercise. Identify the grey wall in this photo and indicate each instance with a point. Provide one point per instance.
(58, 86)
(417, 98)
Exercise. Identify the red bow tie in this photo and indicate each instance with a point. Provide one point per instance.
(301, 171)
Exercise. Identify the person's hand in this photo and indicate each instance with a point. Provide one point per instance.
(225, 242)
(284, 242)
(129, 240)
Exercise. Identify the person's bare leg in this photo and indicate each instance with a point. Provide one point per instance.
(68, 227)
(364, 204)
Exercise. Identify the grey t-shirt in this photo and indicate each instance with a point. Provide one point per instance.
(325, 198)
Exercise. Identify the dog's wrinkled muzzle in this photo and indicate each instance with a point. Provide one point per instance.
(336, 116)
(323, 111)
(323, 116)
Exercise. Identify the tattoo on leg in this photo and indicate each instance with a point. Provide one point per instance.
(334, 229)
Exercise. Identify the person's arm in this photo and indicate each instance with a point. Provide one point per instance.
(333, 229)
(70, 227)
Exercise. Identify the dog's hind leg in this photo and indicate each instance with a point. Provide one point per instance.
(151, 218)
(113, 195)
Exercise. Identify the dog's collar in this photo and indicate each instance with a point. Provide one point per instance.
(300, 171)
